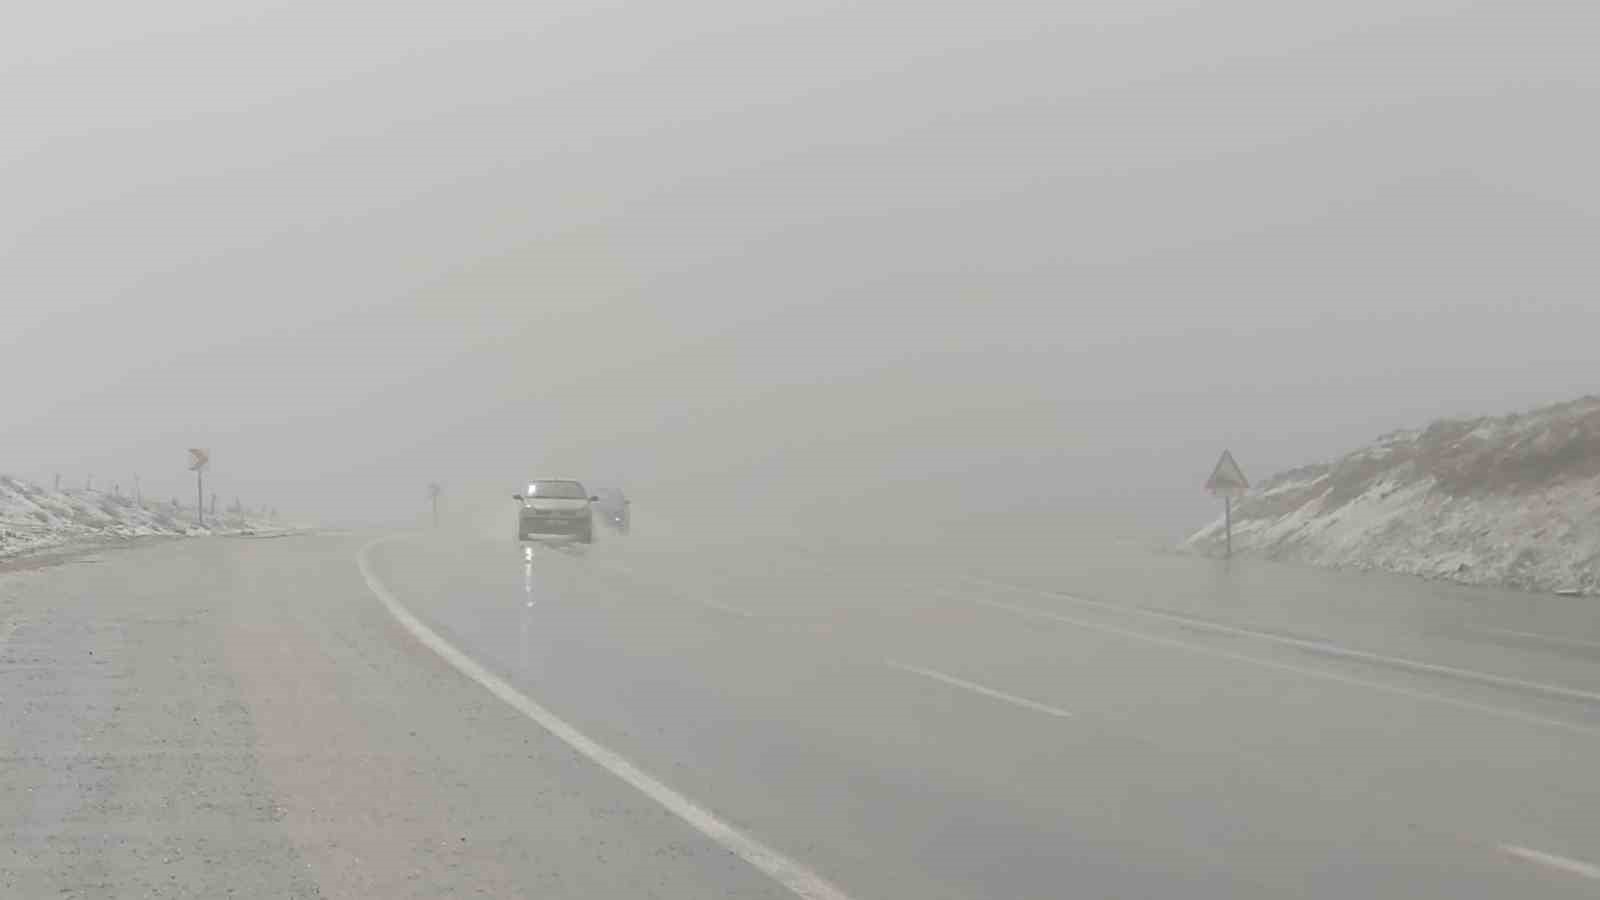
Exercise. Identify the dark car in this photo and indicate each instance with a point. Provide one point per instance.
(613, 508)
(555, 510)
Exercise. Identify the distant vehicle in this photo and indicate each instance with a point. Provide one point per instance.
(555, 510)
(613, 508)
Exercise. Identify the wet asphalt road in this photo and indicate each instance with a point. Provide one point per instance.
(1105, 723)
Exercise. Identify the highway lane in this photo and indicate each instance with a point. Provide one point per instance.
(911, 731)
(192, 717)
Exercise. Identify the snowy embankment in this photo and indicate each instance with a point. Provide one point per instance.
(36, 518)
(1511, 501)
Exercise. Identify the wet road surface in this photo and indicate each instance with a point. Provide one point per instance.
(1112, 723)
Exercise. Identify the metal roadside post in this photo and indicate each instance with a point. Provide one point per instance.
(1227, 481)
(433, 496)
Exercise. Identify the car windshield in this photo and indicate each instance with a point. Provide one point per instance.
(556, 490)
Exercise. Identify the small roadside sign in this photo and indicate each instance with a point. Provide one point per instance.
(198, 459)
(1228, 482)
(1227, 479)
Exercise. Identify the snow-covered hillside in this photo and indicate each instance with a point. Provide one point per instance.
(1511, 501)
(35, 518)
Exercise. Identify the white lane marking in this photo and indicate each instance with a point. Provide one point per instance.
(1554, 690)
(976, 688)
(800, 880)
(1286, 667)
(1536, 636)
(1552, 861)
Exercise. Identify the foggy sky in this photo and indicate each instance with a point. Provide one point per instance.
(952, 256)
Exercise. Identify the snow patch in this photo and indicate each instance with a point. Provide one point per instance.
(35, 518)
(1505, 501)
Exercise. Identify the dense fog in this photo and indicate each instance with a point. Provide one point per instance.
(955, 267)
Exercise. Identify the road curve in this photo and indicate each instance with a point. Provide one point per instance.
(665, 718)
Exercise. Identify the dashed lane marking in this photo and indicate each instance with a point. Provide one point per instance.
(979, 689)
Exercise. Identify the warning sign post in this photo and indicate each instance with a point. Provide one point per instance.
(1227, 481)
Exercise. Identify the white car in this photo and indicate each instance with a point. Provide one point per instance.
(555, 509)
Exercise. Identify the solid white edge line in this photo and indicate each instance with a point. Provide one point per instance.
(1554, 690)
(1536, 636)
(1286, 667)
(798, 879)
(1552, 861)
(976, 688)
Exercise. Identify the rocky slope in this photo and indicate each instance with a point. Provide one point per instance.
(37, 518)
(1513, 500)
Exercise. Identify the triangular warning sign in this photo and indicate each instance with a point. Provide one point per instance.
(1227, 477)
